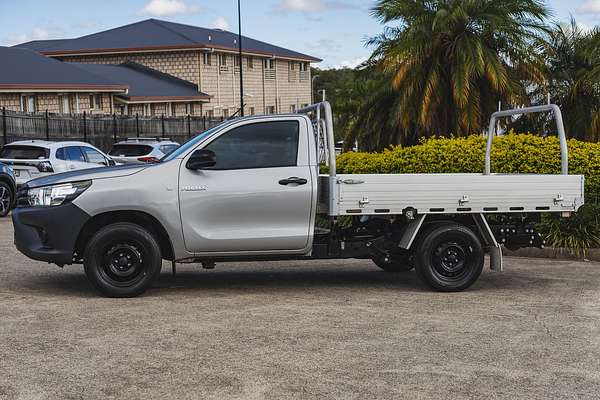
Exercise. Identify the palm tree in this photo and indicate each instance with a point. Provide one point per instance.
(447, 63)
(573, 59)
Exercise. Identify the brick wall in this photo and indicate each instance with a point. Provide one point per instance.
(222, 83)
(182, 64)
(11, 101)
(51, 102)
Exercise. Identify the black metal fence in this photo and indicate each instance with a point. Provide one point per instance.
(99, 130)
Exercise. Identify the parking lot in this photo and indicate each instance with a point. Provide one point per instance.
(338, 329)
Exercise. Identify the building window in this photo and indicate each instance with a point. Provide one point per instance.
(269, 63)
(252, 111)
(173, 109)
(207, 59)
(225, 113)
(250, 63)
(270, 109)
(293, 108)
(210, 114)
(147, 110)
(64, 104)
(28, 104)
(236, 64)
(95, 102)
(292, 73)
(304, 72)
(269, 69)
(223, 63)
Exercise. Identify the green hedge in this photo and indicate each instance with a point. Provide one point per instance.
(512, 153)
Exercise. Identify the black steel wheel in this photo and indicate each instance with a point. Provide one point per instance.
(6, 199)
(122, 260)
(449, 258)
(395, 262)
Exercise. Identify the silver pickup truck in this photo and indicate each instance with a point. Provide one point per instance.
(251, 189)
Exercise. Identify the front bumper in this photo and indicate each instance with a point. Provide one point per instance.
(48, 233)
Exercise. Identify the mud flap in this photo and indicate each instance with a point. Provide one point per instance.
(490, 242)
(411, 232)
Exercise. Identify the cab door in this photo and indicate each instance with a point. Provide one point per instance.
(257, 198)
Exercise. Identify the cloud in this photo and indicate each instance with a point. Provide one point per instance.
(310, 6)
(221, 23)
(353, 63)
(324, 46)
(589, 7)
(37, 33)
(162, 8)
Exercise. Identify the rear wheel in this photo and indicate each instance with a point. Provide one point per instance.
(122, 260)
(6, 199)
(449, 258)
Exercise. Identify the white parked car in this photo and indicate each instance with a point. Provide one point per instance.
(142, 150)
(31, 159)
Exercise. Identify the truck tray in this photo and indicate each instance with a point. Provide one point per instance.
(455, 193)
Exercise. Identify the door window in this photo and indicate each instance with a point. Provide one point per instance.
(73, 153)
(94, 156)
(260, 145)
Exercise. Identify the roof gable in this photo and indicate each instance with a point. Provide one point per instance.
(145, 83)
(153, 34)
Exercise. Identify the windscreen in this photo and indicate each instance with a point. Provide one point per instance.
(14, 152)
(130, 150)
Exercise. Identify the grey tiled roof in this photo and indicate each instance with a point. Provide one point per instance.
(145, 83)
(158, 34)
(26, 69)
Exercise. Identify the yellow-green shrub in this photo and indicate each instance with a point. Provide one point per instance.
(512, 153)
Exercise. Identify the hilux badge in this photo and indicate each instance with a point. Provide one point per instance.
(201, 188)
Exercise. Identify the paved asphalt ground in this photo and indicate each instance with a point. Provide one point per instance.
(305, 330)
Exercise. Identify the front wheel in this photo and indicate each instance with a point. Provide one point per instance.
(6, 199)
(449, 258)
(122, 260)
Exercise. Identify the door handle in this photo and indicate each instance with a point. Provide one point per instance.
(293, 180)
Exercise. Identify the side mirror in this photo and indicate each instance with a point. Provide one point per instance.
(111, 162)
(201, 159)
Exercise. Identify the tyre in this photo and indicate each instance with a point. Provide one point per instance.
(395, 263)
(122, 260)
(449, 258)
(6, 199)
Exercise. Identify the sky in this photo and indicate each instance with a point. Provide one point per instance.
(334, 30)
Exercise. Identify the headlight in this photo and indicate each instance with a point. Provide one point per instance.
(56, 195)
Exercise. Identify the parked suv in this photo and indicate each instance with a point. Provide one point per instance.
(8, 189)
(142, 150)
(36, 158)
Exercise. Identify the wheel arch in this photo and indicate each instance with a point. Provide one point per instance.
(140, 218)
(418, 229)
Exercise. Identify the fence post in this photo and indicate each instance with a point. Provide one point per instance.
(204, 122)
(137, 124)
(84, 127)
(47, 127)
(4, 127)
(115, 128)
(162, 123)
(189, 121)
